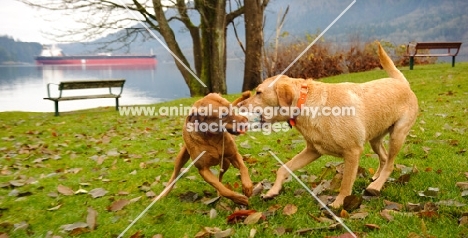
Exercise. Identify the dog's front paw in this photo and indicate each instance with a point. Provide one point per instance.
(372, 192)
(268, 196)
(247, 190)
(241, 200)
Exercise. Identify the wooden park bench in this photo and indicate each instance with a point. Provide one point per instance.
(433, 46)
(88, 84)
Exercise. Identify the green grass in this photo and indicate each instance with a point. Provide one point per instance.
(139, 150)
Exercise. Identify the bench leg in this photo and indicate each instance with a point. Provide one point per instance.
(453, 61)
(116, 104)
(411, 62)
(56, 108)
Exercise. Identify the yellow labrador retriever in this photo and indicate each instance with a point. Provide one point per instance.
(338, 119)
(208, 130)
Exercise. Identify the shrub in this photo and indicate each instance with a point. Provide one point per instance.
(325, 59)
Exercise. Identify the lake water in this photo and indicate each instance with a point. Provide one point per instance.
(22, 88)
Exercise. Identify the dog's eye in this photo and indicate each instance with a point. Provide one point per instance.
(258, 93)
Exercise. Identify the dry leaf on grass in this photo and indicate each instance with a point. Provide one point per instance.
(65, 190)
(54, 208)
(118, 205)
(91, 218)
(97, 192)
(289, 209)
(239, 216)
(253, 218)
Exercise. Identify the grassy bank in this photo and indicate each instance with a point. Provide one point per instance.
(51, 167)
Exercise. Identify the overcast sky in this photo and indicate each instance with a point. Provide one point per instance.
(22, 22)
(29, 24)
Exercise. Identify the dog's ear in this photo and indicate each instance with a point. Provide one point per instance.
(245, 95)
(285, 94)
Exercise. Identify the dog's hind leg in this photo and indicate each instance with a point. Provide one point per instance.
(397, 137)
(379, 148)
(209, 177)
(179, 162)
(302, 159)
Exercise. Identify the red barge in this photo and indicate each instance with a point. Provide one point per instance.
(54, 56)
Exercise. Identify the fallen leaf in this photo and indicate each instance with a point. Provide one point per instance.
(17, 183)
(213, 213)
(385, 214)
(279, 231)
(253, 218)
(211, 201)
(239, 216)
(258, 188)
(98, 192)
(118, 205)
(450, 203)
(344, 213)
(70, 227)
(373, 226)
(414, 207)
(134, 199)
(81, 191)
(245, 145)
(389, 205)
(352, 202)
(150, 194)
(462, 185)
(430, 192)
(54, 208)
(274, 208)
(463, 221)
(189, 196)
(252, 233)
(464, 193)
(137, 235)
(226, 233)
(404, 179)
(65, 190)
(359, 215)
(289, 209)
(21, 226)
(91, 218)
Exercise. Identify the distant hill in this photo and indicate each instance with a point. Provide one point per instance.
(397, 21)
(14, 52)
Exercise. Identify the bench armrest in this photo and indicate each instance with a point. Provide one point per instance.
(48, 90)
(118, 95)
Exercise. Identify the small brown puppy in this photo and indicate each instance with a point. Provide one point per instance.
(209, 126)
(381, 107)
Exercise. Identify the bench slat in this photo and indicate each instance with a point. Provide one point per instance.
(84, 97)
(438, 45)
(91, 84)
(432, 55)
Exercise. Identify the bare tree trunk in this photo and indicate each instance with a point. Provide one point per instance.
(253, 16)
(213, 30)
(196, 89)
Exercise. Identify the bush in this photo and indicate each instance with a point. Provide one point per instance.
(325, 59)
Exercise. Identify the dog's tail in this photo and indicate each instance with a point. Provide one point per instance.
(388, 65)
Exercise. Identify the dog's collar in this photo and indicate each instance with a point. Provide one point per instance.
(300, 102)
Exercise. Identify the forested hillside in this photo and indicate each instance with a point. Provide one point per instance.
(12, 51)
